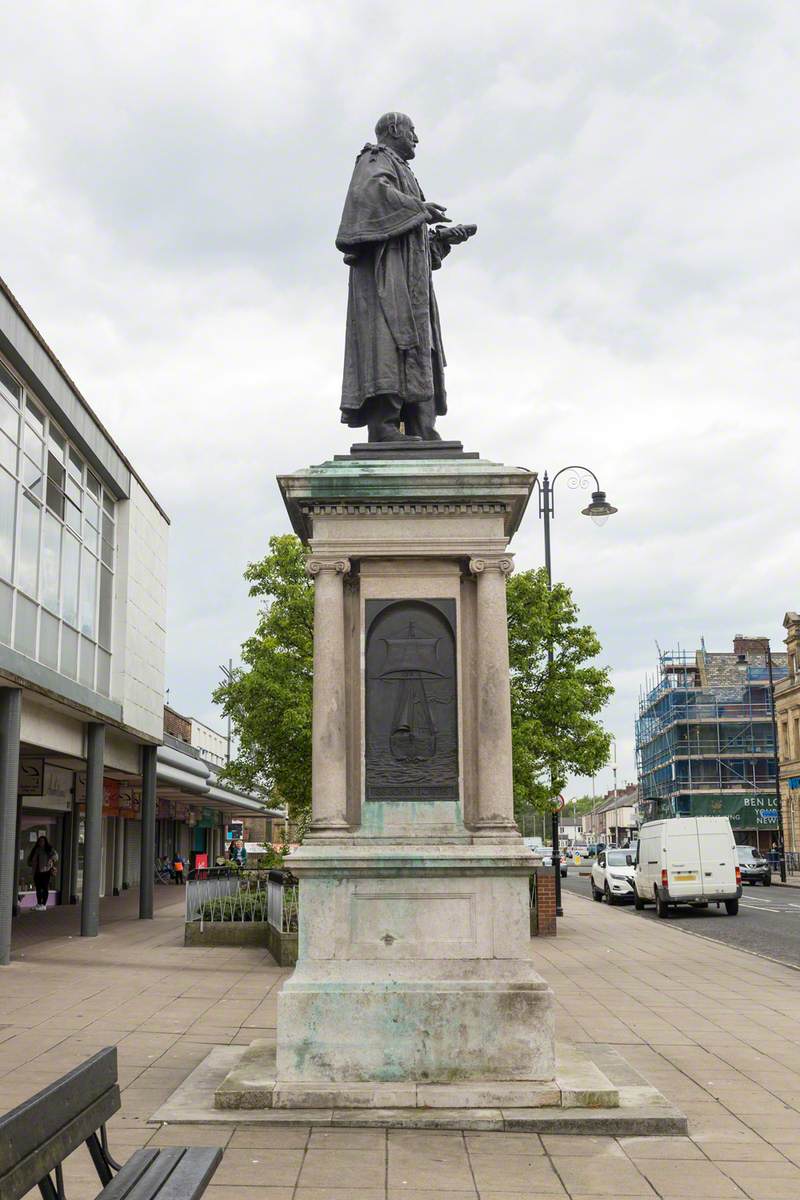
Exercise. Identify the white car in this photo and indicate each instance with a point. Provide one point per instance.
(612, 876)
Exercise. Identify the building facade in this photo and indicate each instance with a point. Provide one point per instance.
(787, 712)
(704, 738)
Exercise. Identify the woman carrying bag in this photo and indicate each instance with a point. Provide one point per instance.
(42, 861)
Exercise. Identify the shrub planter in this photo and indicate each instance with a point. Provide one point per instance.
(282, 946)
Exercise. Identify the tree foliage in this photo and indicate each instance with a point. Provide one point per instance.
(268, 698)
(553, 708)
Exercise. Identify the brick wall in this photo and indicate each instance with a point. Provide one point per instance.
(176, 725)
(544, 924)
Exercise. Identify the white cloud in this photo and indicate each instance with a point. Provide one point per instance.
(171, 181)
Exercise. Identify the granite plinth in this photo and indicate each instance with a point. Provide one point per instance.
(409, 449)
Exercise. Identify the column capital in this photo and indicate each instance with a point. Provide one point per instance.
(315, 565)
(503, 563)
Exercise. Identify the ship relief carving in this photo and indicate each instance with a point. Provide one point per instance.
(411, 709)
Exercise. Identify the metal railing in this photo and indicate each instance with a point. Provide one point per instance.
(244, 900)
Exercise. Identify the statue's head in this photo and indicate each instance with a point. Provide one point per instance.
(396, 130)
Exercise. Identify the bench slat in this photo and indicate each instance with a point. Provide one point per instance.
(192, 1175)
(132, 1171)
(26, 1127)
(22, 1175)
(149, 1186)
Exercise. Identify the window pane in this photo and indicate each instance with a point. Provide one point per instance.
(74, 491)
(28, 562)
(32, 476)
(69, 652)
(6, 596)
(92, 512)
(8, 453)
(108, 503)
(25, 627)
(69, 579)
(103, 673)
(55, 470)
(8, 495)
(86, 668)
(55, 499)
(51, 561)
(108, 553)
(48, 640)
(93, 484)
(73, 516)
(57, 444)
(91, 538)
(88, 593)
(75, 465)
(104, 619)
(8, 381)
(33, 445)
(35, 415)
(9, 419)
(108, 528)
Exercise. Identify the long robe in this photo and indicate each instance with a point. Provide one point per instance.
(393, 342)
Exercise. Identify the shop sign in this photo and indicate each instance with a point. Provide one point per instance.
(743, 811)
(57, 783)
(31, 776)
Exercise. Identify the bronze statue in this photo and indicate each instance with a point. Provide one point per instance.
(392, 238)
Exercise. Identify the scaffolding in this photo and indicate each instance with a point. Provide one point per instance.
(694, 737)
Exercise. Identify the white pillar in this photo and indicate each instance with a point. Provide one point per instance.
(329, 723)
(495, 809)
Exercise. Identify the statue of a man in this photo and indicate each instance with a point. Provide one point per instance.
(394, 359)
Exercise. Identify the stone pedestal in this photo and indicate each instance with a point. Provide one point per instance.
(414, 942)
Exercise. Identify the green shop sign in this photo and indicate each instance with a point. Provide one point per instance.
(756, 811)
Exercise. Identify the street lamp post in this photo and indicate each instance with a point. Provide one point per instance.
(599, 510)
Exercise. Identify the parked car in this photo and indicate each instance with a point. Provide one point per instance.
(545, 856)
(612, 876)
(580, 851)
(753, 866)
(687, 860)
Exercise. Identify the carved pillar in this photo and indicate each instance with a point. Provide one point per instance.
(329, 724)
(495, 808)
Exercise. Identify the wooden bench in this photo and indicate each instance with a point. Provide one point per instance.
(40, 1133)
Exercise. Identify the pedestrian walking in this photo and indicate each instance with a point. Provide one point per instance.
(177, 866)
(774, 857)
(42, 860)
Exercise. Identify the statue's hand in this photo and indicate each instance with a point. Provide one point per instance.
(457, 233)
(434, 212)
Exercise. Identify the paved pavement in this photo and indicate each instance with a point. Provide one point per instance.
(717, 1030)
(768, 921)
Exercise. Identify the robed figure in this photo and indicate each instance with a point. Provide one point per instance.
(394, 357)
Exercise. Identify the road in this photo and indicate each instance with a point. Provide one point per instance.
(768, 921)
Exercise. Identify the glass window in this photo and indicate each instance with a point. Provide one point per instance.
(28, 561)
(33, 445)
(108, 528)
(69, 579)
(73, 516)
(51, 561)
(91, 511)
(104, 619)
(55, 470)
(48, 640)
(103, 672)
(25, 626)
(69, 652)
(57, 443)
(74, 491)
(108, 553)
(108, 503)
(32, 476)
(9, 382)
(35, 416)
(86, 666)
(8, 453)
(9, 419)
(88, 593)
(55, 499)
(6, 599)
(8, 495)
(75, 465)
(92, 484)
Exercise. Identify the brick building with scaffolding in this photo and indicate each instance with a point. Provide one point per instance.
(704, 738)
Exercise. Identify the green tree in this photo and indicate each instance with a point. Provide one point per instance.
(268, 698)
(553, 708)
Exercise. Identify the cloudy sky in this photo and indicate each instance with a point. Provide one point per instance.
(171, 181)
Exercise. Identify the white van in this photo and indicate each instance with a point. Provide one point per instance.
(687, 860)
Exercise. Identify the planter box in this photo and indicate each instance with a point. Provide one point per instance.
(282, 946)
